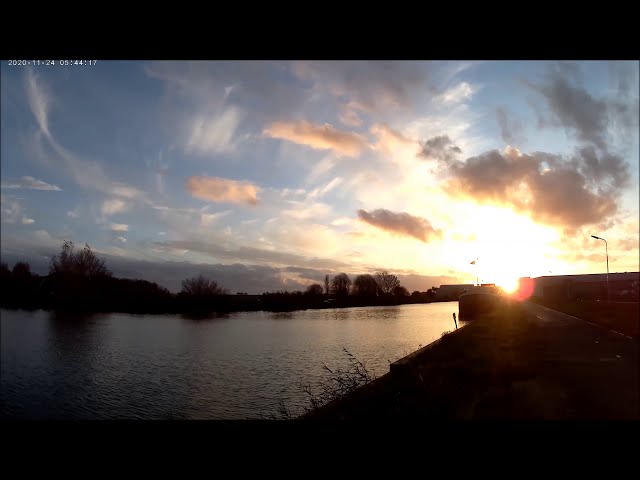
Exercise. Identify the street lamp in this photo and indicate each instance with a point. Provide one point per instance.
(606, 249)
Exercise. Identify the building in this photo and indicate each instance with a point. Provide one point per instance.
(622, 287)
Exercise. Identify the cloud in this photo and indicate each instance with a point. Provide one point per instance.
(390, 141)
(214, 134)
(371, 86)
(208, 218)
(72, 214)
(628, 244)
(27, 221)
(399, 223)
(121, 239)
(321, 192)
(10, 210)
(86, 173)
(44, 236)
(349, 116)
(249, 254)
(567, 193)
(307, 211)
(587, 117)
(215, 189)
(319, 137)
(440, 148)
(39, 101)
(113, 206)
(459, 93)
(119, 227)
(510, 128)
(31, 184)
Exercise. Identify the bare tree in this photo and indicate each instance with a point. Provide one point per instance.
(326, 284)
(340, 285)
(314, 289)
(387, 282)
(365, 286)
(201, 286)
(83, 263)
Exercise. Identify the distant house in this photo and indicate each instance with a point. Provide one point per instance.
(452, 292)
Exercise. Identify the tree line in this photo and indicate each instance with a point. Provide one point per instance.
(79, 280)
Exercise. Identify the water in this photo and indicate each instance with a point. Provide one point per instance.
(121, 366)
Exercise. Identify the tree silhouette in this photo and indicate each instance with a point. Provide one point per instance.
(5, 273)
(387, 282)
(326, 284)
(83, 263)
(21, 272)
(400, 291)
(340, 285)
(201, 286)
(314, 289)
(365, 286)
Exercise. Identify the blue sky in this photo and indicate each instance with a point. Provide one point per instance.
(269, 175)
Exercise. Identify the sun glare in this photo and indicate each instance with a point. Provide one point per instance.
(508, 246)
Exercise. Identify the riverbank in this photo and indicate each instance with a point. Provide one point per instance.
(220, 305)
(520, 361)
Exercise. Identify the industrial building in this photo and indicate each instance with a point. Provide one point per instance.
(622, 286)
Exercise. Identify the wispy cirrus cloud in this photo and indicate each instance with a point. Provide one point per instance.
(30, 183)
(318, 137)
(86, 173)
(214, 133)
(400, 223)
(223, 190)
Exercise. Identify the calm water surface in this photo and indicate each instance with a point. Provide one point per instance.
(121, 366)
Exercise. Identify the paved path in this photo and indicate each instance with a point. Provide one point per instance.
(589, 361)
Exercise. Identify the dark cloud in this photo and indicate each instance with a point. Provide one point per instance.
(440, 148)
(249, 254)
(399, 223)
(510, 128)
(569, 193)
(252, 279)
(574, 108)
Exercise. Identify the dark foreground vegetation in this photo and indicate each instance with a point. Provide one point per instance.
(623, 317)
(502, 365)
(79, 280)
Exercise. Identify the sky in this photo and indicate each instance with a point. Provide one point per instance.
(268, 175)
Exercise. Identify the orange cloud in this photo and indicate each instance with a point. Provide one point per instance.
(319, 137)
(223, 190)
(390, 140)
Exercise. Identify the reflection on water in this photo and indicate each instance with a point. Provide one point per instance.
(235, 366)
(204, 316)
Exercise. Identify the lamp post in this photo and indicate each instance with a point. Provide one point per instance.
(606, 249)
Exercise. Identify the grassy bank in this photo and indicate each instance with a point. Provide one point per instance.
(501, 366)
(623, 317)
